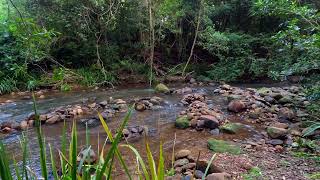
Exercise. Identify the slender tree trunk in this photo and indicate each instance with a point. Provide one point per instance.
(194, 40)
(152, 40)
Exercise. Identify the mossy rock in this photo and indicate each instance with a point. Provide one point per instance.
(182, 122)
(264, 91)
(231, 128)
(161, 88)
(221, 146)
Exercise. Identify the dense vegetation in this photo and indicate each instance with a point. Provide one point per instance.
(91, 42)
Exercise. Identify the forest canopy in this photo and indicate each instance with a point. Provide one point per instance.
(92, 42)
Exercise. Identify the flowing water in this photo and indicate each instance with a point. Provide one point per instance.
(160, 122)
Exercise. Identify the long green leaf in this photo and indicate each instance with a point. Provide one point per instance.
(16, 168)
(118, 154)
(143, 165)
(43, 160)
(5, 172)
(53, 165)
(152, 165)
(208, 167)
(311, 129)
(64, 147)
(161, 169)
(73, 152)
(114, 146)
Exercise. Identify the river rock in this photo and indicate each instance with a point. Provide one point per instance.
(275, 142)
(182, 154)
(89, 155)
(285, 99)
(53, 119)
(221, 146)
(286, 113)
(198, 174)
(269, 99)
(264, 91)
(6, 130)
(209, 121)
(275, 132)
(219, 176)
(215, 132)
(140, 106)
(280, 125)
(161, 88)
(225, 87)
(231, 128)
(125, 132)
(103, 103)
(181, 162)
(24, 125)
(182, 122)
(203, 164)
(236, 106)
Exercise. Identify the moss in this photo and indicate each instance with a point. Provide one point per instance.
(161, 88)
(182, 122)
(221, 146)
(231, 128)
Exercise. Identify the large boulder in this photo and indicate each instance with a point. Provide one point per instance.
(275, 132)
(221, 146)
(236, 106)
(182, 122)
(161, 88)
(209, 121)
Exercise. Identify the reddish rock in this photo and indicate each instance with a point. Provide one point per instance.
(209, 121)
(286, 113)
(236, 106)
(219, 176)
(182, 154)
(6, 130)
(24, 125)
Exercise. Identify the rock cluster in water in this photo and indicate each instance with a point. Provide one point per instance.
(107, 109)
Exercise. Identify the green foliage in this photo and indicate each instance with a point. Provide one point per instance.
(234, 52)
(254, 173)
(7, 85)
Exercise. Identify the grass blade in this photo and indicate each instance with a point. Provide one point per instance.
(161, 169)
(109, 134)
(16, 168)
(64, 147)
(53, 165)
(85, 154)
(208, 167)
(43, 161)
(5, 172)
(73, 152)
(152, 165)
(143, 166)
(114, 146)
